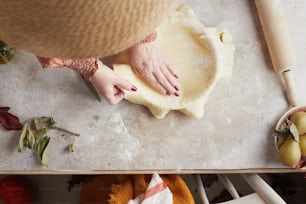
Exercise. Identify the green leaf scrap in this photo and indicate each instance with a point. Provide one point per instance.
(31, 141)
(41, 148)
(70, 148)
(40, 133)
(33, 136)
(42, 123)
(33, 130)
(281, 140)
(22, 137)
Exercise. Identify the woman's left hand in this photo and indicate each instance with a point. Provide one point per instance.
(110, 85)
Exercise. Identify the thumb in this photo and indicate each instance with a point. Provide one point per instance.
(126, 85)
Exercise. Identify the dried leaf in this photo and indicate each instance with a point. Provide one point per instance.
(42, 123)
(70, 148)
(287, 124)
(31, 141)
(294, 132)
(33, 136)
(41, 147)
(33, 131)
(44, 160)
(8, 120)
(22, 137)
(280, 133)
(281, 140)
(39, 133)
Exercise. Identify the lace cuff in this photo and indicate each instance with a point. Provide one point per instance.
(151, 37)
(87, 67)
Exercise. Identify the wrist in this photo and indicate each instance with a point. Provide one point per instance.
(98, 72)
(87, 67)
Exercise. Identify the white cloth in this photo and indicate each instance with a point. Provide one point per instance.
(156, 193)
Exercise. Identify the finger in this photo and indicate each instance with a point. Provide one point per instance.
(125, 85)
(162, 80)
(119, 94)
(170, 78)
(114, 99)
(113, 95)
(111, 99)
(173, 73)
(152, 80)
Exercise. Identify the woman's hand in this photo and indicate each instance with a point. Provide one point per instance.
(147, 63)
(109, 84)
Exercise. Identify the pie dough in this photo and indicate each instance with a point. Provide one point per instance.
(199, 55)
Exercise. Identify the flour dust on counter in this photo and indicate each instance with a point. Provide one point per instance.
(127, 145)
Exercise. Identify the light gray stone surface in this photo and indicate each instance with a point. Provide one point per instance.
(234, 134)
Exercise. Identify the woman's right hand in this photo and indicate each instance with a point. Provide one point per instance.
(109, 84)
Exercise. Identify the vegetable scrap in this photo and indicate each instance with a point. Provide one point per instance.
(33, 130)
(70, 148)
(42, 146)
(34, 136)
(8, 120)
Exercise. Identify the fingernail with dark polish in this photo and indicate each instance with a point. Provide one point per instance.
(176, 88)
(176, 94)
(168, 93)
(176, 76)
(134, 88)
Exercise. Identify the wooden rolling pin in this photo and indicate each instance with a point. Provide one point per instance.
(279, 44)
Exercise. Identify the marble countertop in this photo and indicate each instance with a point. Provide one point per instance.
(233, 136)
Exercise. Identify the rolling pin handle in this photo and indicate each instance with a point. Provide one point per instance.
(290, 90)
